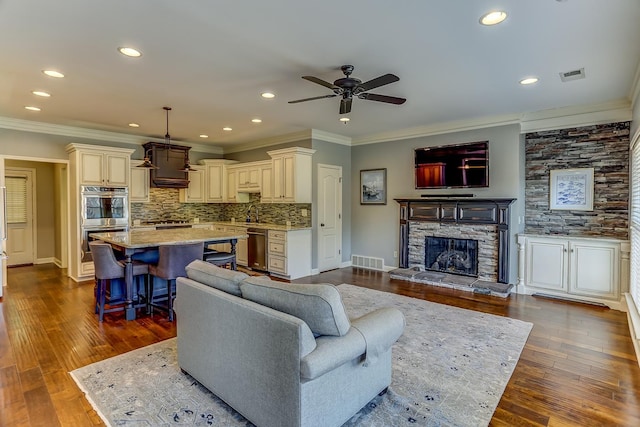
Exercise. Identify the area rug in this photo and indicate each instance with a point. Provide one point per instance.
(450, 368)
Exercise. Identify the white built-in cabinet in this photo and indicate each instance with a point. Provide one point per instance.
(291, 175)
(242, 257)
(289, 253)
(139, 183)
(591, 269)
(195, 192)
(103, 167)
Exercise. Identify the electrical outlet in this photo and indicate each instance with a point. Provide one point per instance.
(395, 254)
(303, 212)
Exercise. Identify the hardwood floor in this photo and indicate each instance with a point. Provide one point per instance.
(577, 368)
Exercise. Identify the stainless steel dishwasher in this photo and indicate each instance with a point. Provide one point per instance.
(257, 248)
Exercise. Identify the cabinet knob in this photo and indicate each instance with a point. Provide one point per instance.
(321, 224)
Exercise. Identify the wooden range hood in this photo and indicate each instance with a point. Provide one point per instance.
(169, 159)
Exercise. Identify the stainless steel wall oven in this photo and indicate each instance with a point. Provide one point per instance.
(104, 209)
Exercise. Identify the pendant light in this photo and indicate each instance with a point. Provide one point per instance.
(167, 140)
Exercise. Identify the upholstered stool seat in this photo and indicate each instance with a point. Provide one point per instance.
(221, 259)
(171, 264)
(110, 278)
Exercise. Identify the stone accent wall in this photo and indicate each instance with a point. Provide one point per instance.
(602, 147)
(486, 235)
(164, 204)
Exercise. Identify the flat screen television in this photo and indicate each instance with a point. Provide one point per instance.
(452, 166)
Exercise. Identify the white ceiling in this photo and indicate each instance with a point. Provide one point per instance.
(210, 60)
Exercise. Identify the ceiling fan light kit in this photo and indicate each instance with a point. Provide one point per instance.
(347, 87)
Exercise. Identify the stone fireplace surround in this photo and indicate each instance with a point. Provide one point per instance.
(485, 220)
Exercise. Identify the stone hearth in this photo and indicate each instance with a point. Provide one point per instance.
(452, 281)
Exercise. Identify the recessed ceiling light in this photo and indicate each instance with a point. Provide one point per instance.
(53, 73)
(256, 120)
(344, 119)
(204, 136)
(268, 95)
(30, 108)
(129, 51)
(227, 129)
(41, 93)
(134, 125)
(529, 81)
(493, 18)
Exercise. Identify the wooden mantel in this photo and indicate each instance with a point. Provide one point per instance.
(458, 211)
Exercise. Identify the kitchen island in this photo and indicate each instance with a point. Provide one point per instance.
(130, 242)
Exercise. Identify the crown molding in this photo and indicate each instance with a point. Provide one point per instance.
(330, 137)
(93, 134)
(273, 140)
(439, 129)
(583, 115)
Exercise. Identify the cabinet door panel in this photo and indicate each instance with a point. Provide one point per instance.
(91, 169)
(117, 169)
(593, 270)
(547, 264)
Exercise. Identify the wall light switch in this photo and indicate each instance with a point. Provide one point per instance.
(303, 212)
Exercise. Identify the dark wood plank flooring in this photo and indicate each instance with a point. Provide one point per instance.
(577, 368)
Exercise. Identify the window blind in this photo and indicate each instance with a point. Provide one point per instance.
(634, 226)
(16, 199)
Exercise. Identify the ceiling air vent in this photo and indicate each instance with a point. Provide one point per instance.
(572, 75)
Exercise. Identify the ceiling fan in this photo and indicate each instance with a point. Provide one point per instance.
(348, 87)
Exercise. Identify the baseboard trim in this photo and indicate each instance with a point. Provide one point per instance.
(633, 317)
(564, 298)
(45, 260)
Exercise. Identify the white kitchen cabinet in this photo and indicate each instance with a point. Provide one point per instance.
(216, 179)
(289, 253)
(195, 192)
(101, 165)
(139, 184)
(249, 178)
(591, 269)
(266, 179)
(241, 245)
(291, 175)
(233, 196)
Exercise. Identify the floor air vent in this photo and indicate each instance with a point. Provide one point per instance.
(371, 263)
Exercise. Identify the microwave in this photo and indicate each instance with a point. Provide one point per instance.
(105, 206)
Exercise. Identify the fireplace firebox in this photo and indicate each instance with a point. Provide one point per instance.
(450, 255)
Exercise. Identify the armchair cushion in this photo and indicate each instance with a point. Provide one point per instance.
(320, 306)
(216, 277)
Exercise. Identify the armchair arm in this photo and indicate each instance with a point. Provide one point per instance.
(369, 336)
(380, 329)
(331, 352)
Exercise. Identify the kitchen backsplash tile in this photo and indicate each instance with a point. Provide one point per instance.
(164, 204)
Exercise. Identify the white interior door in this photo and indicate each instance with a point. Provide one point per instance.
(20, 228)
(329, 217)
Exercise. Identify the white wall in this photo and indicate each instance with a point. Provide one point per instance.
(375, 227)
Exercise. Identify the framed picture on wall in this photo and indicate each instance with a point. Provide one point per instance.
(571, 189)
(373, 187)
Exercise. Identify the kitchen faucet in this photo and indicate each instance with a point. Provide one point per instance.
(249, 213)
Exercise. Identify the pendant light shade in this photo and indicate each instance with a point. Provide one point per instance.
(147, 162)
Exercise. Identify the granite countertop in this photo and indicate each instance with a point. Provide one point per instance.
(264, 225)
(144, 239)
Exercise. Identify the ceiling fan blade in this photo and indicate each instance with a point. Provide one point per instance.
(382, 98)
(320, 82)
(377, 82)
(311, 99)
(345, 105)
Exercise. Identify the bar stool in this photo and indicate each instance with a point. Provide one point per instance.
(109, 274)
(171, 264)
